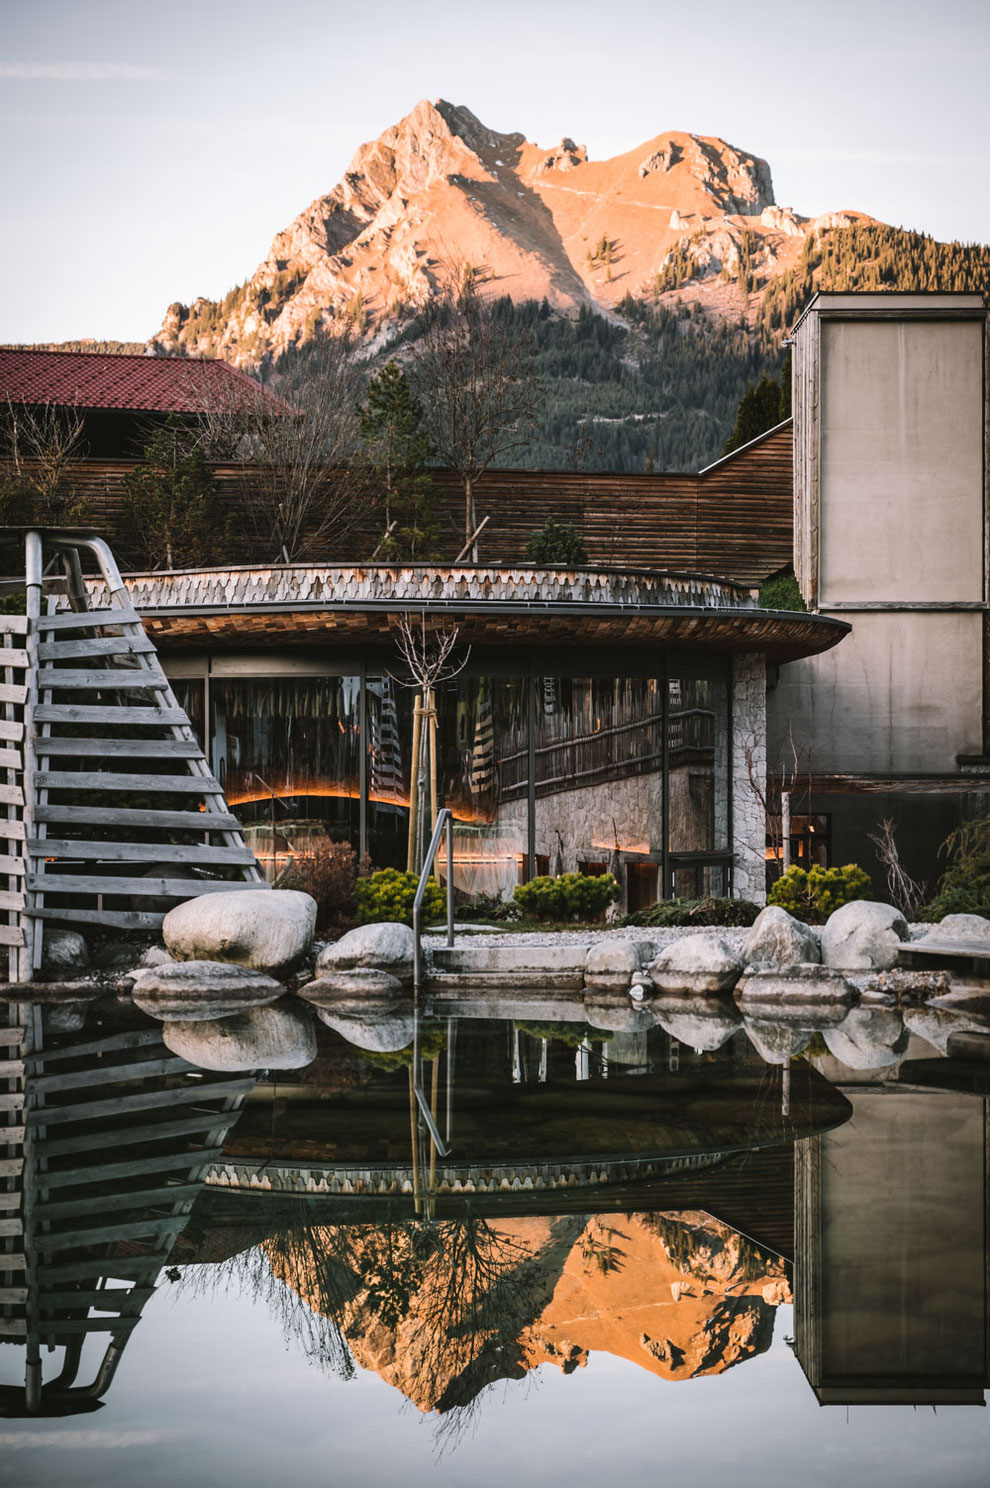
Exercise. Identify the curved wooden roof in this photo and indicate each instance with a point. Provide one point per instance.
(357, 606)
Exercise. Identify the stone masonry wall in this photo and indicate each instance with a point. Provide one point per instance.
(749, 762)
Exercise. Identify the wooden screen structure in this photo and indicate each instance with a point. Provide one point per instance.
(112, 812)
(106, 1143)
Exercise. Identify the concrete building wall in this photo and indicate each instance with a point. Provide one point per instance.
(903, 693)
(890, 507)
(901, 455)
(892, 1264)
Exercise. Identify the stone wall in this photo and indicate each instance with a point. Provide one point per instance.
(749, 773)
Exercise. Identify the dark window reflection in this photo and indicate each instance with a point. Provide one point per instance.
(287, 752)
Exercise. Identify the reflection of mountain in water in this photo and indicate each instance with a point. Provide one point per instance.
(441, 1311)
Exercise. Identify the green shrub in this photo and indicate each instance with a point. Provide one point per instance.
(781, 591)
(813, 894)
(964, 887)
(389, 895)
(572, 896)
(709, 911)
(488, 907)
(571, 1034)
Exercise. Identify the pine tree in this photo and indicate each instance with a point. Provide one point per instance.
(395, 452)
(170, 513)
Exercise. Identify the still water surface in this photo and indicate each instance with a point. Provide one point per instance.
(712, 1268)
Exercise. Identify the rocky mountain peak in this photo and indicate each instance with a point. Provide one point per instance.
(440, 188)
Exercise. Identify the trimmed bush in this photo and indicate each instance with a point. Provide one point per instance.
(389, 895)
(572, 896)
(813, 894)
(710, 911)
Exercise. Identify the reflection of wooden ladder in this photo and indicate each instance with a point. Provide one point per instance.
(117, 1135)
(109, 796)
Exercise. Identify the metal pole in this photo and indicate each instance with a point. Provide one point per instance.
(451, 1040)
(450, 879)
(785, 827)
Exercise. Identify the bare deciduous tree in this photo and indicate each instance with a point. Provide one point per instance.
(297, 444)
(428, 654)
(907, 893)
(39, 448)
(472, 367)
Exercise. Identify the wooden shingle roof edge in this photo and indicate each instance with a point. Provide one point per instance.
(519, 605)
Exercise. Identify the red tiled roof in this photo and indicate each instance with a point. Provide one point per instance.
(140, 384)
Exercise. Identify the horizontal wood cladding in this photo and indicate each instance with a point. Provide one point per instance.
(735, 520)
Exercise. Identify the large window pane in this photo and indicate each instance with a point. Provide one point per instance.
(483, 778)
(698, 789)
(389, 755)
(599, 772)
(287, 752)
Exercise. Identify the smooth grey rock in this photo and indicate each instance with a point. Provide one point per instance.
(964, 927)
(868, 1038)
(387, 946)
(863, 936)
(198, 991)
(156, 955)
(266, 931)
(806, 984)
(66, 1017)
(63, 952)
(936, 1025)
(380, 1033)
(696, 964)
(354, 990)
(277, 1037)
(778, 939)
(776, 1042)
(615, 1011)
(704, 1024)
(612, 963)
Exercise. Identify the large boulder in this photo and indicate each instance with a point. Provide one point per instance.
(266, 931)
(197, 991)
(937, 1025)
(868, 1038)
(614, 1011)
(378, 1032)
(63, 953)
(612, 963)
(696, 965)
(778, 939)
(704, 1024)
(808, 985)
(965, 928)
(354, 990)
(279, 1037)
(386, 946)
(863, 936)
(776, 1043)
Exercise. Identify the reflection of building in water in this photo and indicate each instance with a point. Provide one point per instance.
(891, 1254)
(113, 1136)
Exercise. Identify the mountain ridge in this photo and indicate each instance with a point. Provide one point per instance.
(440, 190)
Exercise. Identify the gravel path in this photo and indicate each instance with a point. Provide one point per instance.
(661, 938)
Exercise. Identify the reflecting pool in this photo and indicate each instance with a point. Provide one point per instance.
(634, 1255)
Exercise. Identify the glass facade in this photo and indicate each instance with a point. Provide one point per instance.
(544, 771)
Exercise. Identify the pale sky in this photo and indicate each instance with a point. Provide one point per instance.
(152, 150)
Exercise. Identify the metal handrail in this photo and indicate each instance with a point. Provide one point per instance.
(444, 824)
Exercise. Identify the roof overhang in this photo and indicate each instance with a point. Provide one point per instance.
(358, 606)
